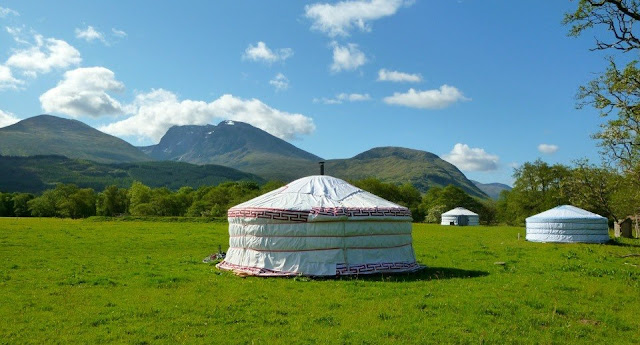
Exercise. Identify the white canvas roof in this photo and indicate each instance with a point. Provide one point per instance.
(319, 225)
(567, 213)
(567, 224)
(459, 211)
(324, 198)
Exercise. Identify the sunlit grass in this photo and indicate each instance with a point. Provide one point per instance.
(65, 281)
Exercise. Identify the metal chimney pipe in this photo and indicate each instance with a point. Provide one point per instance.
(321, 168)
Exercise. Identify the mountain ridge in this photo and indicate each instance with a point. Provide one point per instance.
(48, 134)
(239, 146)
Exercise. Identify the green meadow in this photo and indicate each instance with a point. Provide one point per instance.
(143, 282)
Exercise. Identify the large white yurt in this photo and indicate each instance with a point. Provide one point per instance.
(319, 226)
(460, 216)
(567, 224)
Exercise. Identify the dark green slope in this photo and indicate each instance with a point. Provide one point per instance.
(51, 135)
(400, 165)
(37, 173)
(237, 145)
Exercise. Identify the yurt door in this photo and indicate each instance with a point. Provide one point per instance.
(463, 220)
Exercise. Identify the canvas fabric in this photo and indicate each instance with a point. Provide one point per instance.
(319, 225)
(451, 216)
(567, 224)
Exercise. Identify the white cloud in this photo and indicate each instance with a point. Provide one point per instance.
(354, 97)
(83, 92)
(514, 165)
(17, 34)
(90, 34)
(280, 82)
(347, 58)
(471, 159)
(260, 52)
(339, 18)
(7, 80)
(344, 97)
(155, 112)
(5, 12)
(118, 33)
(547, 148)
(430, 99)
(395, 76)
(43, 56)
(7, 119)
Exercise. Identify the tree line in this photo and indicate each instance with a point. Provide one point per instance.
(540, 186)
(71, 201)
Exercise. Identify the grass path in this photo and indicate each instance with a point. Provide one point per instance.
(74, 281)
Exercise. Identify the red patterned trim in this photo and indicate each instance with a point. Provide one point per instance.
(267, 213)
(361, 212)
(303, 216)
(344, 269)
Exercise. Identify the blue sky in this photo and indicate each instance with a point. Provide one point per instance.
(483, 84)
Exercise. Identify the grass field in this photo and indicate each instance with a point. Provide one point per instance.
(143, 282)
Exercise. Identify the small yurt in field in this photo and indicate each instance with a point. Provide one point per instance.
(460, 216)
(319, 226)
(567, 224)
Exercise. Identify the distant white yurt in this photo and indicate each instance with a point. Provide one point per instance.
(567, 224)
(460, 216)
(319, 226)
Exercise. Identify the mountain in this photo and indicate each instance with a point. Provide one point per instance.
(234, 144)
(492, 189)
(400, 165)
(247, 148)
(51, 135)
(37, 173)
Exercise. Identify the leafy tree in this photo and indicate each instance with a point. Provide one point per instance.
(82, 204)
(6, 205)
(199, 208)
(592, 188)
(183, 199)
(164, 203)
(138, 194)
(406, 195)
(20, 204)
(434, 214)
(616, 92)
(112, 201)
(537, 188)
(271, 185)
(66, 200)
(44, 205)
(144, 209)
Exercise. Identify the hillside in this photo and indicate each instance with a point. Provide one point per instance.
(247, 148)
(51, 135)
(493, 190)
(234, 144)
(35, 174)
(400, 165)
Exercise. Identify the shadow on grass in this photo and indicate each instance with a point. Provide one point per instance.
(427, 273)
(617, 243)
